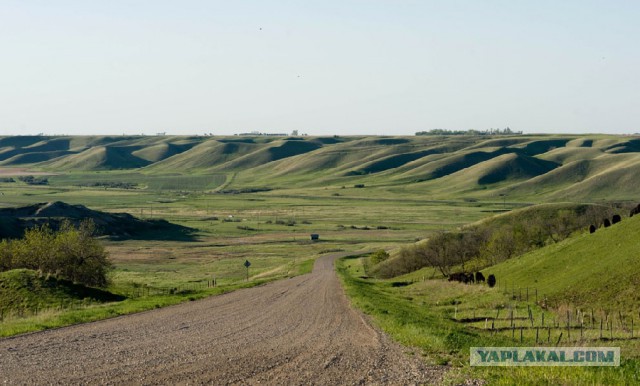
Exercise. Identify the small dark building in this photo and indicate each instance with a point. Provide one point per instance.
(315, 237)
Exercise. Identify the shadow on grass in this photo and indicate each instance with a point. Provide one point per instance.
(159, 230)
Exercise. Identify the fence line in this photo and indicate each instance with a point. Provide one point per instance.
(567, 325)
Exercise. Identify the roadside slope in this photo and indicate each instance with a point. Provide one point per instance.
(598, 270)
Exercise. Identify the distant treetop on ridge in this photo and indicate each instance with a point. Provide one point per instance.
(506, 131)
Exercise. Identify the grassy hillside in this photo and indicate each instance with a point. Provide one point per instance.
(24, 290)
(598, 270)
(522, 167)
(99, 158)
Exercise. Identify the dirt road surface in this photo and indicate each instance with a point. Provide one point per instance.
(295, 331)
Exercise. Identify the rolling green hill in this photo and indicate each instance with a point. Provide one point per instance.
(599, 270)
(100, 158)
(522, 167)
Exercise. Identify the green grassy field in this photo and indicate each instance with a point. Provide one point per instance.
(430, 316)
(144, 181)
(270, 229)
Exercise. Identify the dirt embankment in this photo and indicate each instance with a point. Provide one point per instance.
(296, 331)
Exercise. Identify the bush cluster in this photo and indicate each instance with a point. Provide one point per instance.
(31, 180)
(110, 184)
(71, 253)
(489, 243)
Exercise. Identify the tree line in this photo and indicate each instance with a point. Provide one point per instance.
(489, 243)
(71, 253)
(505, 131)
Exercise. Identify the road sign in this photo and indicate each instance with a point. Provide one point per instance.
(247, 263)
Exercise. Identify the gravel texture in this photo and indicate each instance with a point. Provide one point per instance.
(295, 331)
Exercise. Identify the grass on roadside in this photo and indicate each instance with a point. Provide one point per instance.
(419, 315)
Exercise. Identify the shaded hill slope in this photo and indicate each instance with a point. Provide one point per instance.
(100, 158)
(13, 222)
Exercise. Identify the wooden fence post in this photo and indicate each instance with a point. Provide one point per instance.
(600, 329)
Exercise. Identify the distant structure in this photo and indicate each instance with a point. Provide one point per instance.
(315, 237)
(162, 134)
(259, 134)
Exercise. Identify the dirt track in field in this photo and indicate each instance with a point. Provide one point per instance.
(295, 331)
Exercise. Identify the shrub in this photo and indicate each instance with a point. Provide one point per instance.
(378, 256)
(70, 253)
(31, 180)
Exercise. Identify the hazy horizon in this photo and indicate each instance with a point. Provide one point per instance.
(334, 68)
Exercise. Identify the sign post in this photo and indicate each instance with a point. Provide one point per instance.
(247, 264)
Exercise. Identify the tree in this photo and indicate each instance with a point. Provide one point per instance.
(70, 253)
(6, 256)
(80, 257)
(500, 246)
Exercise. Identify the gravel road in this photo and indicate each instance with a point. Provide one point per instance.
(295, 331)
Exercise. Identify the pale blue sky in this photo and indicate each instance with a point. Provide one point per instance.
(327, 67)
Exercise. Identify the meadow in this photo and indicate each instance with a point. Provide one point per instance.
(269, 229)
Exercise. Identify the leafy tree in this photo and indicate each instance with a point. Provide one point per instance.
(6, 256)
(80, 257)
(35, 250)
(71, 253)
